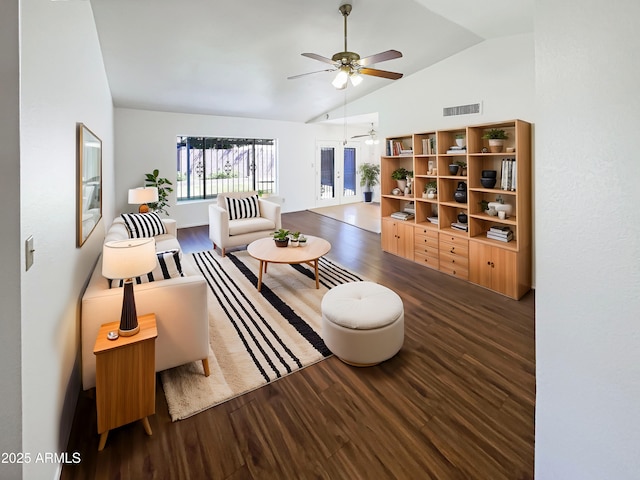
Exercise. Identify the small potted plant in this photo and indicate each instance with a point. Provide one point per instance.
(369, 178)
(460, 140)
(295, 239)
(430, 190)
(281, 237)
(496, 137)
(400, 175)
(463, 168)
(302, 240)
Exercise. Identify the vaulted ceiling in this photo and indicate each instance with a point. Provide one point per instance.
(232, 58)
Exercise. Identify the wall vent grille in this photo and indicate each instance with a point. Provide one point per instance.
(471, 109)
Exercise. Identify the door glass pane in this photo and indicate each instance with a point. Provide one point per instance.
(349, 187)
(327, 173)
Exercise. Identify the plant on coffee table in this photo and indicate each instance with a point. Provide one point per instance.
(281, 237)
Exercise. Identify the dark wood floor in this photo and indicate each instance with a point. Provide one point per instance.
(457, 402)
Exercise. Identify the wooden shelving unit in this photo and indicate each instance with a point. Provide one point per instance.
(501, 266)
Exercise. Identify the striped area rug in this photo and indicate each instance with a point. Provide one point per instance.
(256, 337)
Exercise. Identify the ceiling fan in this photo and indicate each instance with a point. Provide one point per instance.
(349, 64)
(373, 138)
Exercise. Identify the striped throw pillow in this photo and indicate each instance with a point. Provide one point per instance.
(242, 207)
(168, 266)
(143, 225)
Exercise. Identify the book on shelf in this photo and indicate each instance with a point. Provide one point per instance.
(501, 238)
(460, 226)
(402, 215)
(508, 174)
(456, 149)
(500, 229)
(433, 220)
(395, 148)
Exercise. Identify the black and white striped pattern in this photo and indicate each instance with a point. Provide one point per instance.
(242, 207)
(168, 266)
(143, 225)
(260, 335)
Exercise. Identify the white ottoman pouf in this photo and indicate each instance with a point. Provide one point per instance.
(362, 323)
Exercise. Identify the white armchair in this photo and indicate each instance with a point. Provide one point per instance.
(225, 233)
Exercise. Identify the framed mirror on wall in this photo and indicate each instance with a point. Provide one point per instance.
(89, 193)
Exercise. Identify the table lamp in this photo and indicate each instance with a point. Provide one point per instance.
(127, 259)
(141, 196)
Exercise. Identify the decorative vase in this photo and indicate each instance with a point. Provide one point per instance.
(460, 195)
(462, 217)
(453, 168)
(496, 145)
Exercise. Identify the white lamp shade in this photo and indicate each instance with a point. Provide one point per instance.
(356, 79)
(139, 196)
(341, 78)
(129, 258)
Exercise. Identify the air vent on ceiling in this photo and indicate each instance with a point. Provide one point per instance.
(472, 108)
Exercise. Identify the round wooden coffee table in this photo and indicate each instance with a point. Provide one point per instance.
(266, 251)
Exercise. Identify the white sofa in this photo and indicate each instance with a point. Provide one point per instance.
(225, 233)
(180, 306)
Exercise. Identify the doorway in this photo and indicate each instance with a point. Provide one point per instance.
(336, 178)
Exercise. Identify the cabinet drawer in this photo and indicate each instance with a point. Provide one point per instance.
(454, 270)
(454, 240)
(454, 260)
(426, 239)
(426, 232)
(427, 260)
(461, 250)
(426, 251)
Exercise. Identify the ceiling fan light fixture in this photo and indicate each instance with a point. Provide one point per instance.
(340, 82)
(356, 79)
(372, 141)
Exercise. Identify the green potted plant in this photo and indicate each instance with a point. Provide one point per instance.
(281, 237)
(369, 178)
(463, 167)
(430, 190)
(295, 239)
(400, 175)
(460, 140)
(496, 137)
(154, 180)
(302, 240)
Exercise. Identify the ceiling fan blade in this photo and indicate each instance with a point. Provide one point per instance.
(380, 57)
(380, 73)
(358, 136)
(311, 73)
(315, 56)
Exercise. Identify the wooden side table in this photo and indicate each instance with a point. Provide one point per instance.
(125, 377)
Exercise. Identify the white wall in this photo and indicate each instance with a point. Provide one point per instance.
(503, 82)
(588, 230)
(10, 406)
(62, 82)
(147, 140)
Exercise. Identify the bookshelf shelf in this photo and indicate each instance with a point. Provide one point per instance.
(501, 266)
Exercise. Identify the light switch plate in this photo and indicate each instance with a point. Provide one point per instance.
(28, 252)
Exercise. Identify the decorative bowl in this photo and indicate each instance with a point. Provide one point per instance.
(488, 182)
(489, 173)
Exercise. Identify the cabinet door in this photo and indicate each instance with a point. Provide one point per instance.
(405, 234)
(388, 236)
(480, 264)
(494, 268)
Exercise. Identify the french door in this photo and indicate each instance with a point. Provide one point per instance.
(336, 179)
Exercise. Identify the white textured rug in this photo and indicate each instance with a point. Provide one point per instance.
(256, 337)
